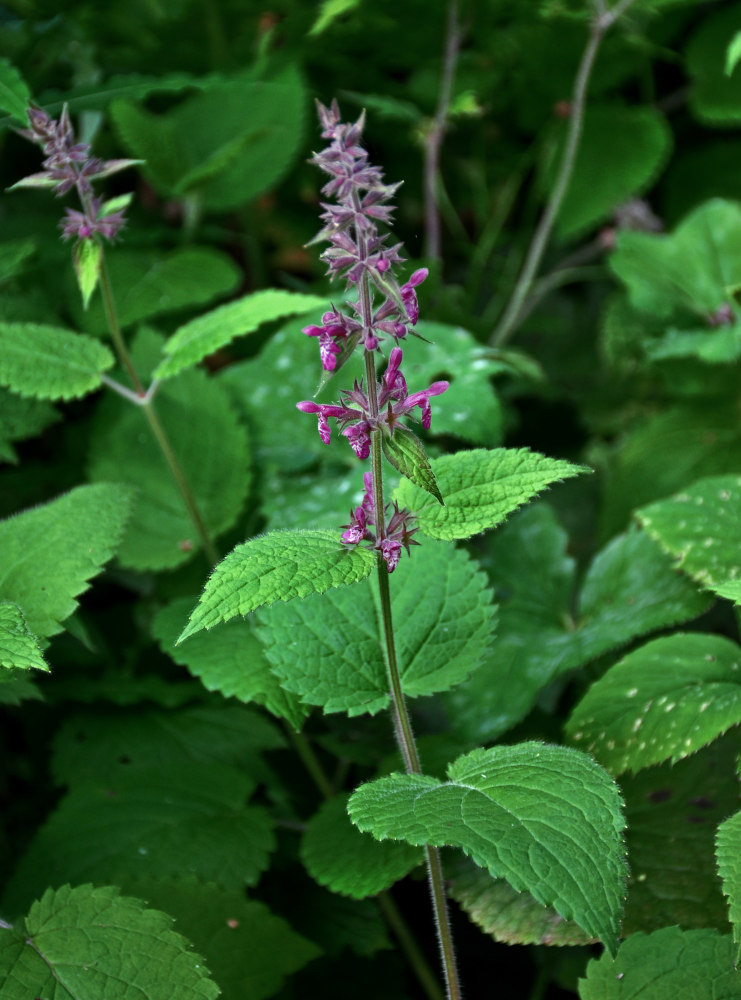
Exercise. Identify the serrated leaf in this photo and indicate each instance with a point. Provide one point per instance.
(230, 660)
(663, 701)
(248, 949)
(351, 863)
(406, 453)
(728, 853)
(670, 964)
(49, 362)
(49, 553)
(87, 258)
(545, 818)
(692, 270)
(183, 817)
(276, 567)
(211, 447)
(19, 647)
(509, 916)
(637, 143)
(327, 648)
(15, 97)
(701, 528)
(672, 813)
(202, 336)
(548, 628)
(481, 488)
(88, 942)
(149, 283)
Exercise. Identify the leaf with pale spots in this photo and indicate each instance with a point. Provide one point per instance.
(701, 528)
(481, 488)
(545, 818)
(49, 362)
(670, 964)
(548, 627)
(663, 701)
(93, 943)
(672, 813)
(276, 567)
(326, 649)
(728, 853)
(355, 864)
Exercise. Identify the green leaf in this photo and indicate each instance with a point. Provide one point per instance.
(225, 145)
(637, 143)
(328, 649)
(48, 362)
(19, 647)
(183, 817)
(150, 283)
(481, 488)
(230, 660)
(22, 418)
(664, 700)
(89, 942)
(548, 628)
(13, 255)
(15, 97)
(733, 53)
(701, 528)
(728, 852)
(202, 336)
(331, 10)
(509, 916)
(87, 259)
(354, 864)
(670, 964)
(248, 949)
(694, 270)
(276, 567)
(546, 818)
(211, 447)
(104, 744)
(406, 453)
(49, 553)
(672, 813)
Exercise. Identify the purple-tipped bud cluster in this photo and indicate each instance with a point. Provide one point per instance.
(383, 308)
(397, 532)
(69, 164)
(354, 416)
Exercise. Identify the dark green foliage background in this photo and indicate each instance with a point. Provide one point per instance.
(616, 364)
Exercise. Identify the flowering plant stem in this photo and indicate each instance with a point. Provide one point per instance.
(155, 424)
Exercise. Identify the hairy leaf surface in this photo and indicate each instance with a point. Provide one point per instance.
(545, 818)
(48, 362)
(48, 553)
(728, 853)
(276, 567)
(481, 488)
(327, 649)
(89, 942)
(19, 647)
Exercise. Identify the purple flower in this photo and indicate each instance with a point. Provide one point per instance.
(397, 530)
(409, 296)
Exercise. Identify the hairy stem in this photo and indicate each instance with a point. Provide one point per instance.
(158, 431)
(434, 137)
(601, 24)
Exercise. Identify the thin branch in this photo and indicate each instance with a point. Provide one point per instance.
(434, 137)
(599, 28)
